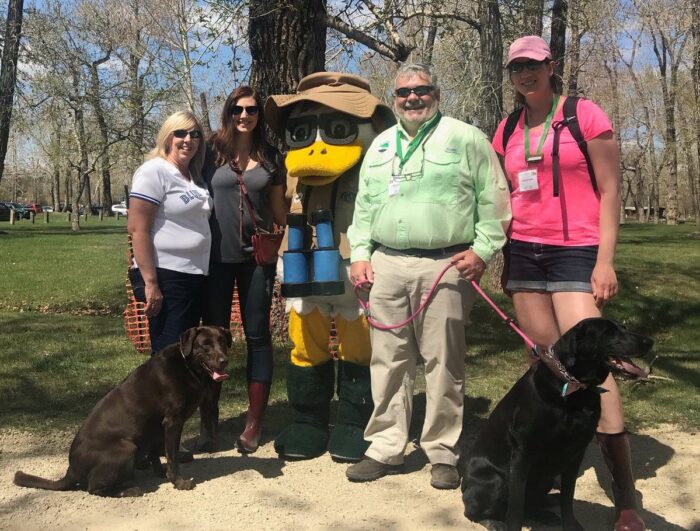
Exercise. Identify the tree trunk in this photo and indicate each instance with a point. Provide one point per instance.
(696, 87)
(287, 41)
(8, 73)
(669, 84)
(491, 43)
(574, 47)
(94, 96)
(206, 124)
(557, 42)
(532, 17)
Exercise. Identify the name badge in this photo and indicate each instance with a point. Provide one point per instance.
(393, 187)
(527, 180)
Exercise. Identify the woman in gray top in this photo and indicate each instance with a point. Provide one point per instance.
(239, 151)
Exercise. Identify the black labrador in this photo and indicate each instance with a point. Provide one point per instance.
(144, 412)
(541, 428)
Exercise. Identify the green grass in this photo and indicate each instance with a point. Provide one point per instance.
(48, 267)
(58, 361)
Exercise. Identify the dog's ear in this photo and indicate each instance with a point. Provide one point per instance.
(227, 335)
(565, 347)
(187, 340)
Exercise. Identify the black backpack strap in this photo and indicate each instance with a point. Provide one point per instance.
(571, 120)
(508, 129)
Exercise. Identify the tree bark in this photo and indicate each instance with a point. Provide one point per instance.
(696, 88)
(8, 73)
(94, 97)
(287, 41)
(206, 124)
(491, 43)
(574, 47)
(557, 42)
(669, 84)
(532, 16)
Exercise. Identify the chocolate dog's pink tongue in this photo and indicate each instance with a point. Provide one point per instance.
(218, 376)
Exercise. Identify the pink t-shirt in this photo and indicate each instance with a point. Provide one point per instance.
(538, 216)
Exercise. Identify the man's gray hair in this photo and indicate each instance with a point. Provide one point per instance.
(412, 69)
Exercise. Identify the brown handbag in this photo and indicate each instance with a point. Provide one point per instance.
(266, 245)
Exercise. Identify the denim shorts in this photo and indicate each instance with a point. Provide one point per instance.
(550, 268)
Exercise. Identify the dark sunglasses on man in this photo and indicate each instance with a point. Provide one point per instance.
(182, 133)
(420, 91)
(531, 65)
(251, 110)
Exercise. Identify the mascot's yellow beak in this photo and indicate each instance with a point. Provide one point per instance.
(321, 163)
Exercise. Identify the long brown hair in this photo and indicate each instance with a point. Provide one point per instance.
(223, 140)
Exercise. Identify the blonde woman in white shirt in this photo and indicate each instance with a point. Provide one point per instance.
(169, 213)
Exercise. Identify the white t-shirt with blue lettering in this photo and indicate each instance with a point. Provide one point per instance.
(180, 231)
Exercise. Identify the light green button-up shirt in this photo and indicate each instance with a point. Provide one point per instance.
(452, 190)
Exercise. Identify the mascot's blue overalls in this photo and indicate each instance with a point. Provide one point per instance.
(327, 126)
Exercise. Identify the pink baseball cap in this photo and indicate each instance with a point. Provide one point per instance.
(530, 47)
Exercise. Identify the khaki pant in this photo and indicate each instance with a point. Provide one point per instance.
(437, 335)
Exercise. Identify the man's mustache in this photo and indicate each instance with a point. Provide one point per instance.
(413, 106)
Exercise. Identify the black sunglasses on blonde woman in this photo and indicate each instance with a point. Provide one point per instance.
(251, 110)
(182, 133)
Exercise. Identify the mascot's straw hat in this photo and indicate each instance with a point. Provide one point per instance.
(346, 93)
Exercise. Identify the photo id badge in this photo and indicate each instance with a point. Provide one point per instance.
(393, 187)
(527, 180)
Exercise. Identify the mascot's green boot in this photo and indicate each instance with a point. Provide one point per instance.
(309, 390)
(347, 443)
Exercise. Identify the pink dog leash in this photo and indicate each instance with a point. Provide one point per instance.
(365, 304)
(365, 307)
(546, 356)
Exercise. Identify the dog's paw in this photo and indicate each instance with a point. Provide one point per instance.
(184, 484)
(494, 525)
(131, 492)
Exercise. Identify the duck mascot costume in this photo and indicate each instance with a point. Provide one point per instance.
(327, 127)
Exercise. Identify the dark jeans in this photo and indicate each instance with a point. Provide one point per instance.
(255, 285)
(180, 309)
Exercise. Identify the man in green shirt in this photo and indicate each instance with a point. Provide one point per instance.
(431, 194)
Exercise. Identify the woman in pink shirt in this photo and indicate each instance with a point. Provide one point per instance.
(560, 258)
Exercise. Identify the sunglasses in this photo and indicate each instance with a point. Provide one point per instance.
(531, 65)
(252, 110)
(182, 133)
(420, 91)
(336, 129)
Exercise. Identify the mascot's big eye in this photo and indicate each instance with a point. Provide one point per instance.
(338, 129)
(300, 133)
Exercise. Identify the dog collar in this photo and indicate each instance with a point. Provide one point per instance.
(188, 366)
(549, 358)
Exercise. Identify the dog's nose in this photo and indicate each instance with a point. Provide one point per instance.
(223, 362)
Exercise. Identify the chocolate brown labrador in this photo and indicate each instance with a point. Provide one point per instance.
(145, 411)
(540, 429)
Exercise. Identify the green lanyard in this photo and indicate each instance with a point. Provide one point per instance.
(547, 123)
(417, 140)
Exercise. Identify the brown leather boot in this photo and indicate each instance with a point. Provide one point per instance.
(258, 394)
(616, 452)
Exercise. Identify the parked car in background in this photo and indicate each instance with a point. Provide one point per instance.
(34, 207)
(4, 212)
(120, 208)
(46, 208)
(20, 210)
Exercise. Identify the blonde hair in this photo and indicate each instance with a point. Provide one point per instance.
(180, 120)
